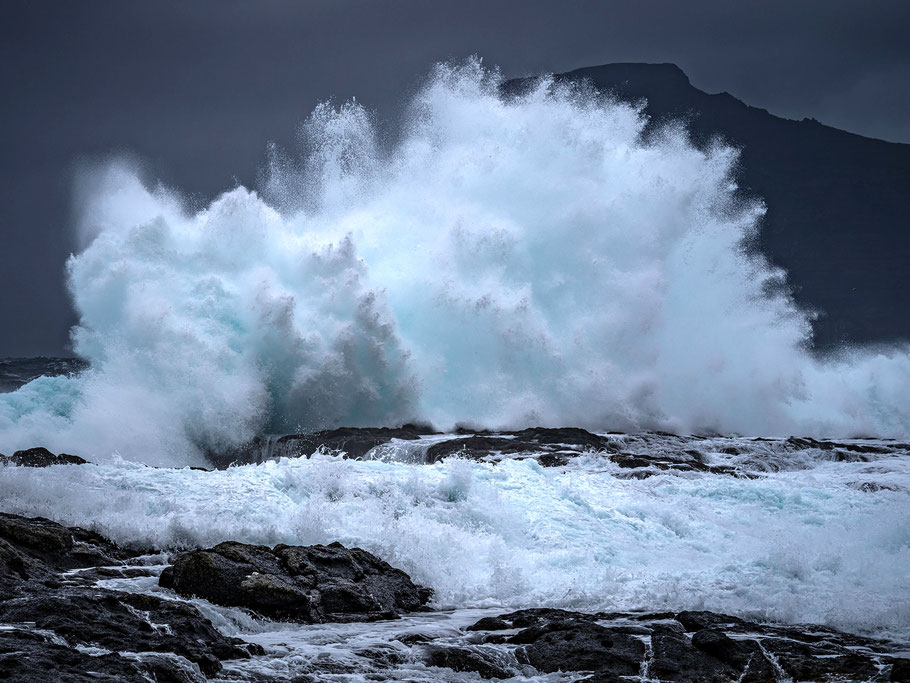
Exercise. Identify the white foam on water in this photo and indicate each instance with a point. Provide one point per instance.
(535, 260)
(793, 546)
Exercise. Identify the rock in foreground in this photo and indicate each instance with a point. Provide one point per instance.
(56, 624)
(40, 457)
(311, 584)
(684, 647)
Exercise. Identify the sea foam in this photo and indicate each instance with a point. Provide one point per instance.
(505, 262)
(807, 545)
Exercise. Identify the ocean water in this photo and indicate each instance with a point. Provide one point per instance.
(820, 540)
(502, 263)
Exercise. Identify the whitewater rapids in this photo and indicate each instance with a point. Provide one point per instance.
(504, 262)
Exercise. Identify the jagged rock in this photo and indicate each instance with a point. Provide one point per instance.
(686, 647)
(568, 436)
(354, 442)
(487, 662)
(37, 549)
(32, 657)
(126, 622)
(33, 590)
(675, 659)
(579, 645)
(40, 457)
(311, 584)
(490, 624)
(742, 655)
(819, 661)
(384, 656)
(479, 447)
(695, 621)
(551, 447)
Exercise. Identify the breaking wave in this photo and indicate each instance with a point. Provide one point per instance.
(506, 262)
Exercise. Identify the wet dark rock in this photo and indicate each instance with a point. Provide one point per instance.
(686, 647)
(383, 656)
(490, 624)
(819, 661)
(487, 662)
(126, 622)
(40, 457)
(311, 584)
(479, 447)
(413, 638)
(551, 447)
(567, 436)
(900, 670)
(47, 575)
(695, 621)
(29, 656)
(37, 549)
(526, 618)
(579, 645)
(674, 659)
(354, 442)
(557, 447)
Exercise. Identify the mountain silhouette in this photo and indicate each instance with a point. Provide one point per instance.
(837, 215)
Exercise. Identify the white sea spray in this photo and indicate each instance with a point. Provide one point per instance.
(506, 262)
(807, 545)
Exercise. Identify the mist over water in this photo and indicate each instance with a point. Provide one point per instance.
(505, 263)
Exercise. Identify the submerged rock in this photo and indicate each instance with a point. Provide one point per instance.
(126, 622)
(311, 584)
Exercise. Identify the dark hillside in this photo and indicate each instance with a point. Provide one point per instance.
(837, 217)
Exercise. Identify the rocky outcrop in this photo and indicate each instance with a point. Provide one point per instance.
(685, 647)
(556, 448)
(551, 447)
(120, 622)
(56, 624)
(38, 658)
(40, 457)
(37, 550)
(353, 442)
(311, 584)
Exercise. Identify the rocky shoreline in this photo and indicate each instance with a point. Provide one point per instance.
(60, 620)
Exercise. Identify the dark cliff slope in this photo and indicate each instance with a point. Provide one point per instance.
(837, 215)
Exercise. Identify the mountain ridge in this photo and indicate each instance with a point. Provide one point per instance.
(836, 216)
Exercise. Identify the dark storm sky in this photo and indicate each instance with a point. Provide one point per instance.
(197, 89)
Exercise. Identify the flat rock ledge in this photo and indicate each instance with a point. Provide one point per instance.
(310, 584)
